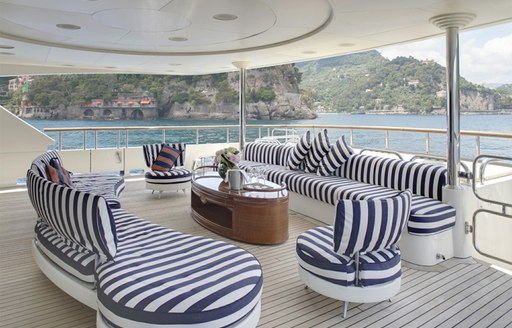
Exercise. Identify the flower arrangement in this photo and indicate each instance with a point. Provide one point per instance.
(227, 158)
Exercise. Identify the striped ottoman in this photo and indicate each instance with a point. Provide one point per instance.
(176, 179)
(165, 278)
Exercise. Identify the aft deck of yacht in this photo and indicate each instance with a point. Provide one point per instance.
(460, 293)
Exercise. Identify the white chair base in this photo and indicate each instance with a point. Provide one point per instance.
(370, 294)
(161, 187)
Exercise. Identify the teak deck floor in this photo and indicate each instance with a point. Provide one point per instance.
(460, 293)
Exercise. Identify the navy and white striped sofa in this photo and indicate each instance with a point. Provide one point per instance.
(427, 238)
(136, 273)
(107, 186)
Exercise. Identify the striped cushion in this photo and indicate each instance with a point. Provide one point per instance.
(151, 152)
(164, 277)
(319, 147)
(369, 225)
(76, 260)
(82, 217)
(430, 216)
(423, 179)
(315, 254)
(267, 153)
(338, 155)
(106, 186)
(300, 151)
(166, 159)
(58, 174)
(177, 175)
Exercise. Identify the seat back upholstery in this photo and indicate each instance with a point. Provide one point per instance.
(370, 225)
(79, 216)
(151, 152)
(40, 162)
(421, 178)
(267, 153)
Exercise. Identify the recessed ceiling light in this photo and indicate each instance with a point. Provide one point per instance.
(177, 38)
(3, 46)
(6, 53)
(110, 67)
(68, 26)
(225, 17)
(346, 44)
(309, 52)
(174, 64)
(68, 65)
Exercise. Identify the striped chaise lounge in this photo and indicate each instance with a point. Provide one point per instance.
(357, 259)
(136, 273)
(166, 172)
(428, 237)
(107, 186)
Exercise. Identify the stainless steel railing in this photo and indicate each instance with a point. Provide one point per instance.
(254, 131)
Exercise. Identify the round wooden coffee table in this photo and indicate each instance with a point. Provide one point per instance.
(257, 214)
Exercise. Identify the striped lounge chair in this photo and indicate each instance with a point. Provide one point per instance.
(135, 273)
(357, 259)
(166, 171)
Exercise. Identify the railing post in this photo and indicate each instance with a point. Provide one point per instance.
(118, 139)
(163, 136)
(227, 135)
(386, 140)
(197, 136)
(126, 139)
(351, 137)
(95, 139)
(60, 140)
(85, 139)
(427, 143)
(477, 146)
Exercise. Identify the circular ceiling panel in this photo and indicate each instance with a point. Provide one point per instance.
(154, 29)
(141, 20)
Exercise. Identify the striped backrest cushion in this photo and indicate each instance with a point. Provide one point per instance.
(151, 152)
(40, 162)
(57, 174)
(319, 147)
(338, 155)
(82, 217)
(300, 151)
(423, 179)
(166, 159)
(267, 153)
(369, 225)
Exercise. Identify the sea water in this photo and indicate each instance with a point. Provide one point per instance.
(400, 141)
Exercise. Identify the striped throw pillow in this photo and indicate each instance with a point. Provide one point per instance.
(319, 147)
(369, 225)
(335, 158)
(58, 174)
(166, 159)
(300, 151)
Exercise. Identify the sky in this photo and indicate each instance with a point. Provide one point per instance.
(485, 54)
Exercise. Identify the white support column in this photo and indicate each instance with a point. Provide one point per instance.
(242, 66)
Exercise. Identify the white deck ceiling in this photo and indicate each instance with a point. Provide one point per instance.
(184, 37)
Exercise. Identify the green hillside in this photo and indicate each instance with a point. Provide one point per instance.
(367, 81)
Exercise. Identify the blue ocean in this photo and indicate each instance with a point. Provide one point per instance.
(400, 141)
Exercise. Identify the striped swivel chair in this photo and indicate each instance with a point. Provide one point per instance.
(165, 163)
(357, 259)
